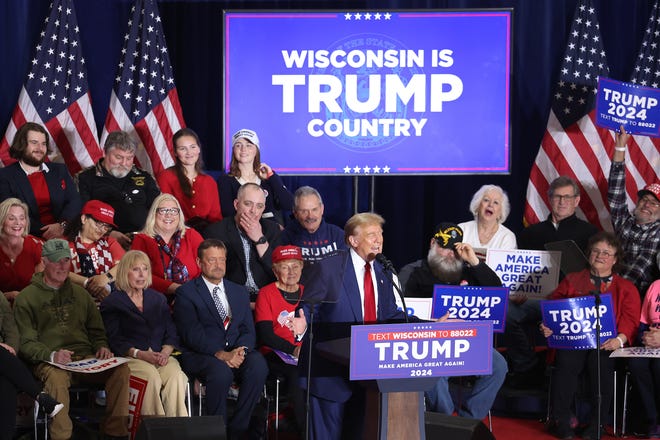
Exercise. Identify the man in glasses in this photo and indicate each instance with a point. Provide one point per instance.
(638, 231)
(562, 222)
(250, 240)
(117, 181)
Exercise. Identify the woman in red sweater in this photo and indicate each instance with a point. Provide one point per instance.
(20, 253)
(196, 191)
(275, 308)
(604, 252)
(170, 245)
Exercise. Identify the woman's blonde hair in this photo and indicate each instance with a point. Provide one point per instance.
(9, 203)
(150, 223)
(128, 262)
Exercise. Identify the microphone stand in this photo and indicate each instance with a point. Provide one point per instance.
(599, 396)
(309, 372)
(389, 267)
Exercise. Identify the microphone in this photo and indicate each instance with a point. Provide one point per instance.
(387, 264)
(389, 267)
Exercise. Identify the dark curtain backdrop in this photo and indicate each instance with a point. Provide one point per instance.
(411, 205)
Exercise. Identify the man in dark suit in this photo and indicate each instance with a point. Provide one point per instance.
(217, 332)
(357, 291)
(47, 189)
(250, 240)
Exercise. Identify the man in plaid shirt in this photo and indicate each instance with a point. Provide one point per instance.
(638, 231)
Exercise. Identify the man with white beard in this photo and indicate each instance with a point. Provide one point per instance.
(117, 181)
(450, 261)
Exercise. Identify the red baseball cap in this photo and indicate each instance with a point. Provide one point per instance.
(289, 252)
(651, 188)
(100, 211)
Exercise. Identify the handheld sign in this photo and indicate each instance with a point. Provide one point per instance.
(534, 274)
(471, 303)
(91, 365)
(573, 321)
(420, 307)
(633, 106)
(433, 349)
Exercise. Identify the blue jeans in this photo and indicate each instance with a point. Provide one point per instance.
(476, 401)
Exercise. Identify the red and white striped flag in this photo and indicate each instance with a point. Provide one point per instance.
(56, 94)
(572, 144)
(144, 101)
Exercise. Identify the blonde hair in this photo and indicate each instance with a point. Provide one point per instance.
(150, 223)
(9, 203)
(128, 262)
(359, 220)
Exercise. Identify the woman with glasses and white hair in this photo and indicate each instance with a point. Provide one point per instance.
(94, 254)
(169, 244)
(20, 253)
(490, 207)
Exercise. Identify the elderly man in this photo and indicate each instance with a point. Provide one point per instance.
(356, 291)
(215, 324)
(117, 181)
(250, 240)
(47, 189)
(310, 232)
(450, 261)
(638, 231)
(562, 224)
(59, 323)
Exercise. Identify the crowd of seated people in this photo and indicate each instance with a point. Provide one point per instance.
(119, 239)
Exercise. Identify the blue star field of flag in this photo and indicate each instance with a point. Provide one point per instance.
(145, 74)
(584, 60)
(57, 76)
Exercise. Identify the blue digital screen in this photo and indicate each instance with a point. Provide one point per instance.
(371, 93)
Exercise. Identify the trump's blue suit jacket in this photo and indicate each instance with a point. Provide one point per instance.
(334, 282)
(127, 327)
(200, 328)
(64, 197)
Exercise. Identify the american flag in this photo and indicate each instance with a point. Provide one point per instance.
(144, 101)
(572, 144)
(56, 94)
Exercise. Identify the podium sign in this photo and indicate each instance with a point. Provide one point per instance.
(418, 350)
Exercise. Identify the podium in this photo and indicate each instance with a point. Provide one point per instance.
(396, 363)
(395, 407)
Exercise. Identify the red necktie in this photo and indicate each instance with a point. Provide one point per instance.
(369, 296)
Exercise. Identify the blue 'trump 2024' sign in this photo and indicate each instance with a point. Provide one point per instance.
(369, 92)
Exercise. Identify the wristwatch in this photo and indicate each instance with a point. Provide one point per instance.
(261, 240)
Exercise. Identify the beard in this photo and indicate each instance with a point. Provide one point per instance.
(29, 159)
(119, 172)
(448, 270)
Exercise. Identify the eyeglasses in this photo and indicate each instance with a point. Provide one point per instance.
(168, 211)
(599, 252)
(101, 225)
(561, 198)
(649, 201)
